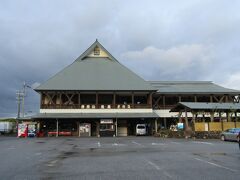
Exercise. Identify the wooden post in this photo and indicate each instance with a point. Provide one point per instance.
(226, 98)
(228, 117)
(212, 116)
(79, 99)
(186, 118)
(156, 125)
(116, 127)
(193, 117)
(164, 102)
(97, 99)
(211, 98)
(57, 129)
(193, 120)
(179, 98)
(165, 122)
(150, 99)
(114, 100)
(195, 98)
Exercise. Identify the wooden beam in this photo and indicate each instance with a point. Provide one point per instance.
(216, 99)
(157, 101)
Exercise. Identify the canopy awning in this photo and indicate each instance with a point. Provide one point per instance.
(201, 106)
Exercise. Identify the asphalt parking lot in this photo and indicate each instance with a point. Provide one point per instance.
(118, 158)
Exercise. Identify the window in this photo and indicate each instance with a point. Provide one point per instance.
(96, 51)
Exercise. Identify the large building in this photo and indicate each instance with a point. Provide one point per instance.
(97, 96)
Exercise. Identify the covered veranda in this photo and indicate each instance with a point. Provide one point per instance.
(100, 124)
(207, 112)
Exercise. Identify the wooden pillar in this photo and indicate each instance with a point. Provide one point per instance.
(228, 117)
(211, 98)
(156, 125)
(179, 116)
(41, 99)
(96, 99)
(60, 99)
(226, 98)
(56, 127)
(164, 102)
(114, 100)
(195, 98)
(150, 99)
(186, 118)
(193, 116)
(179, 98)
(220, 116)
(165, 122)
(79, 98)
(212, 116)
(78, 127)
(116, 131)
(98, 127)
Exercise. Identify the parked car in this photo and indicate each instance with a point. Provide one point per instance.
(141, 129)
(230, 134)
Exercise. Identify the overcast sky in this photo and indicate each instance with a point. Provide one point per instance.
(159, 40)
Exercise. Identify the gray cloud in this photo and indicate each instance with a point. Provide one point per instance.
(166, 40)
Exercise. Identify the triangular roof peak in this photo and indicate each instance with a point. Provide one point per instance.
(96, 50)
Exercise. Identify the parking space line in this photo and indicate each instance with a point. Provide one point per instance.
(217, 165)
(99, 144)
(201, 142)
(137, 143)
(52, 163)
(156, 144)
(154, 165)
(116, 144)
(158, 168)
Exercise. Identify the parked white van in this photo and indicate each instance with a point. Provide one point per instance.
(141, 129)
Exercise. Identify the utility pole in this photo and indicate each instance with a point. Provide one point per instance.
(19, 98)
(23, 95)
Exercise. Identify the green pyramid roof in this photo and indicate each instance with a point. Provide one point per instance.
(89, 73)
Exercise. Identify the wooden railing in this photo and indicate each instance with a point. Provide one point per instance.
(96, 106)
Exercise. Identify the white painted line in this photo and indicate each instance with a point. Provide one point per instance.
(157, 144)
(52, 163)
(154, 165)
(200, 142)
(158, 168)
(11, 148)
(217, 165)
(137, 143)
(116, 144)
(99, 144)
(38, 154)
(175, 143)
